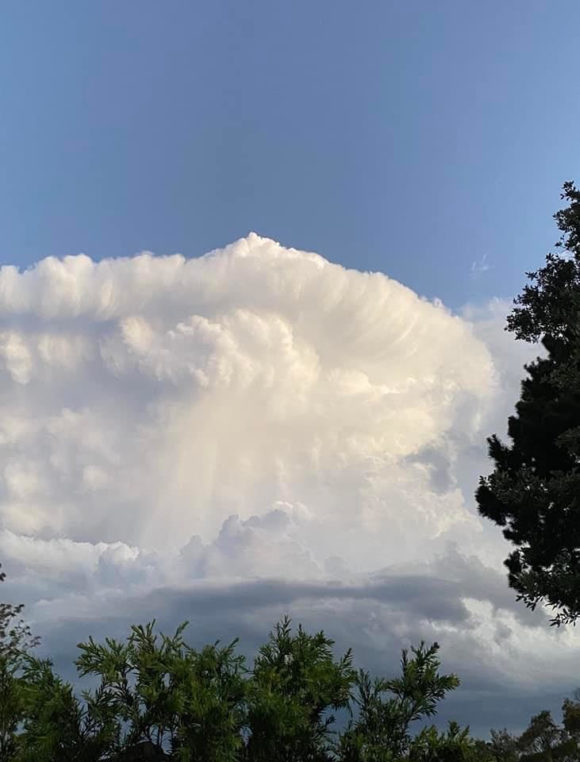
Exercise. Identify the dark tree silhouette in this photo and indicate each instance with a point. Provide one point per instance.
(534, 491)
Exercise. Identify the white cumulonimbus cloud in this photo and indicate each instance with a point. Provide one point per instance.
(145, 400)
(254, 414)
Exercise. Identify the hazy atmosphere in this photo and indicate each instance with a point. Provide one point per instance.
(256, 265)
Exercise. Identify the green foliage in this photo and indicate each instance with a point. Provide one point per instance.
(55, 725)
(544, 740)
(534, 491)
(15, 642)
(11, 704)
(571, 716)
(157, 690)
(538, 740)
(155, 697)
(295, 685)
(381, 730)
(503, 746)
(455, 745)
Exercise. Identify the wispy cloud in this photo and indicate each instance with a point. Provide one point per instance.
(479, 267)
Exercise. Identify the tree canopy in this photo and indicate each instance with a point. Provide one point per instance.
(154, 697)
(534, 490)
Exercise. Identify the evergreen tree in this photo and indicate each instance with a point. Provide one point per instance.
(381, 731)
(295, 687)
(534, 491)
(156, 698)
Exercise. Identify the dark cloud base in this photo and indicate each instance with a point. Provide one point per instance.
(376, 618)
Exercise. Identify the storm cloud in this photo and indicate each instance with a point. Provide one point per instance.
(254, 432)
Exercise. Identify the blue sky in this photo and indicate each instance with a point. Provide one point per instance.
(414, 138)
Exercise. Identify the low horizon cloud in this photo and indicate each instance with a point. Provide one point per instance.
(259, 431)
